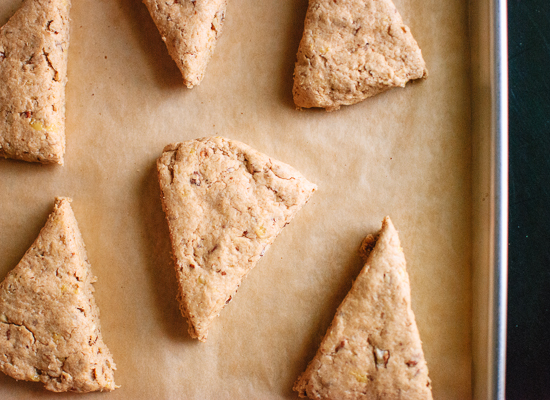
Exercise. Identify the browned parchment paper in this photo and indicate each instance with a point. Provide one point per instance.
(405, 153)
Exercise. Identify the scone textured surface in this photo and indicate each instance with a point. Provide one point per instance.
(33, 73)
(372, 350)
(190, 29)
(352, 50)
(49, 321)
(225, 204)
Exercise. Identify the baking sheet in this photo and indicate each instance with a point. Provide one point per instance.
(405, 153)
(489, 48)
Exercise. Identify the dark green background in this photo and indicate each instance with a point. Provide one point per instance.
(528, 349)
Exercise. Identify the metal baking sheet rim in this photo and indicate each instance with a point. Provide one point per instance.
(489, 72)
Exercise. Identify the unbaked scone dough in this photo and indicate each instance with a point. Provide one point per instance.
(225, 204)
(190, 29)
(49, 321)
(33, 73)
(351, 50)
(372, 350)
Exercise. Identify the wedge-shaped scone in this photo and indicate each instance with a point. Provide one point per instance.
(190, 29)
(49, 321)
(33, 74)
(372, 350)
(225, 204)
(351, 50)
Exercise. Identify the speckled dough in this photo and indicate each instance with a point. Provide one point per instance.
(225, 204)
(351, 50)
(33, 74)
(372, 350)
(49, 321)
(190, 29)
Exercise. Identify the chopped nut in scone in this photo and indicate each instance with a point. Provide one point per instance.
(49, 321)
(225, 204)
(351, 50)
(372, 350)
(33, 74)
(190, 29)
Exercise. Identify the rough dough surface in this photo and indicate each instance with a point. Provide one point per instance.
(190, 29)
(372, 350)
(33, 74)
(351, 50)
(49, 321)
(225, 204)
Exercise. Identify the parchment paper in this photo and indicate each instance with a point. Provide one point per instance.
(405, 153)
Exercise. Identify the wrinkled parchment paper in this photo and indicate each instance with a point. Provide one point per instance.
(404, 153)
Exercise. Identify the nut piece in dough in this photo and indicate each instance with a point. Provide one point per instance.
(49, 321)
(225, 204)
(190, 29)
(351, 50)
(372, 350)
(33, 74)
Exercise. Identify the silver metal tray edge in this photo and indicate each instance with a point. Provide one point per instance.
(489, 72)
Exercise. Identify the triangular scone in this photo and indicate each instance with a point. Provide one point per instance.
(190, 29)
(49, 321)
(225, 204)
(351, 50)
(33, 74)
(372, 350)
